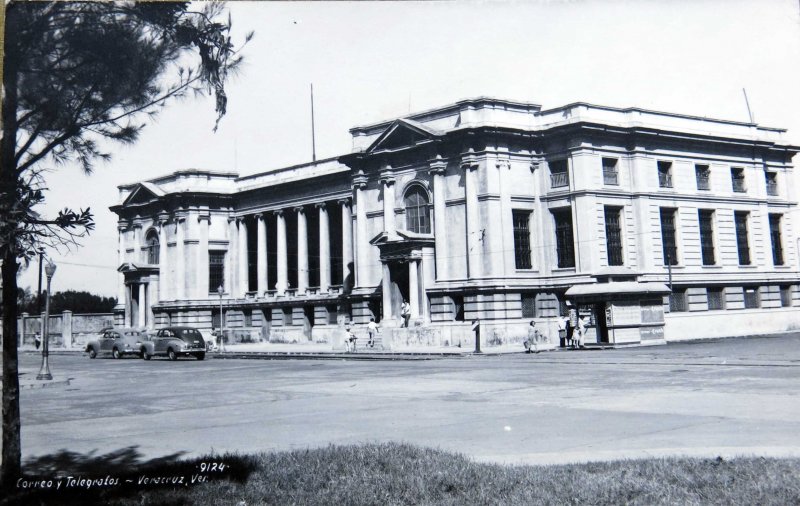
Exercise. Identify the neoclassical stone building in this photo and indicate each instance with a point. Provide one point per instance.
(655, 226)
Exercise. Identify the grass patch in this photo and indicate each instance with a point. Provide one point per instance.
(404, 474)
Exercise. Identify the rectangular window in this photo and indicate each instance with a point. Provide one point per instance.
(610, 173)
(529, 305)
(706, 219)
(737, 179)
(565, 245)
(751, 300)
(458, 307)
(668, 242)
(216, 321)
(665, 174)
(613, 235)
(772, 183)
(775, 235)
(742, 241)
(786, 296)
(522, 239)
(216, 270)
(677, 301)
(716, 298)
(248, 318)
(558, 173)
(703, 175)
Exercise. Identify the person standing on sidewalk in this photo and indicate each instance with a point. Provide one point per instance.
(532, 340)
(405, 312)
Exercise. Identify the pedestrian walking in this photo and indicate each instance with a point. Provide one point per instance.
(37, 341)
(372, 330)
(405, 312)
(578, 343)
(531, 342)
(349, 340)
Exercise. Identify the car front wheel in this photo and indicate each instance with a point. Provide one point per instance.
(201, 356)
(172, 355)
(146, 355)
(115, 353)
(92, 353)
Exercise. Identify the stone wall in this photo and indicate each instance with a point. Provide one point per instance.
(66, 329)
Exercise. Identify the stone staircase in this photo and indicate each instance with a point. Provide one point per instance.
(362, 340)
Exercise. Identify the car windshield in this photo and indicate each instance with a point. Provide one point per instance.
(190, 335)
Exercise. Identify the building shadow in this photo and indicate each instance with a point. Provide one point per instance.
(72, 478)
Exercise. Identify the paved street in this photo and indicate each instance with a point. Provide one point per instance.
(738, 396)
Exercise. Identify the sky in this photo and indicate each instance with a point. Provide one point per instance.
(374, 61)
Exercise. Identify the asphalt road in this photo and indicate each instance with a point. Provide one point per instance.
(730, 397)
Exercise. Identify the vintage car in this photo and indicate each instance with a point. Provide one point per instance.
(117, 342)
(173, 342)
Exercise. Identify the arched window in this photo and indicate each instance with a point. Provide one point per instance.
(418, 216)
(152, 248)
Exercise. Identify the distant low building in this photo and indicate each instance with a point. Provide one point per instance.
(653, 226)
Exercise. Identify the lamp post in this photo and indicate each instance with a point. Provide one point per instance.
(220, 291)
(44, 371)
(39, 291)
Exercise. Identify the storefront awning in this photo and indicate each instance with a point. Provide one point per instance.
(619, 288)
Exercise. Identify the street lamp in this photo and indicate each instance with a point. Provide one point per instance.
(39, 291)
(220, 291)
(44, 371)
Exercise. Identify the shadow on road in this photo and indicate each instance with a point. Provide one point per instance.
(68, 477)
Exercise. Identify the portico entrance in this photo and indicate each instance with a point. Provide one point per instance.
(403, 274)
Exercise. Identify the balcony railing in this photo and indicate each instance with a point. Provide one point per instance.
(610, 176)
(559, 179)
(738, 186)
(702, 182)
(772, 189)
(664, 180)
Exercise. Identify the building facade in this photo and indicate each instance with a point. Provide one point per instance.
(653, 226)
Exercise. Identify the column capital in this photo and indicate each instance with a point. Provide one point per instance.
(535, 164)
(346, 202)
(260, 216)
(469, 161)
(387, 178)
(206, 217)
(321, 205)
(437, 166)
(278, 212)
(360, 180)
(231, 219)
(123, 225)
(503, 163)
(240, 219)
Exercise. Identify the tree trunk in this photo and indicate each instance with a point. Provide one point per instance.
(11, 453)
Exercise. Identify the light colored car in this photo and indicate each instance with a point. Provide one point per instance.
(174, 342)
(117, 342)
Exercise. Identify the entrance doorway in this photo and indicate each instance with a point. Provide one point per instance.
(602, 323)
(398, 272)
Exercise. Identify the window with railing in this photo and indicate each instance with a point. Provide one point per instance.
(677, 301)
(613, 235)
(610, 172)
(751, 298)
(786, 296)
(668, 236)
(665, 174)
(737, 179)
(522, 238)
(216, 270)
(706, 219)
(703, 175)
(565, 245)
(418, 215)
(742, 240)
(559, 177)
(775, 236)
(772, 183)
(529, 305)
(716, 298)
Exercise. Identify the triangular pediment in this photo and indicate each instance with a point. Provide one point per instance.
(402, 133)
(143, 193)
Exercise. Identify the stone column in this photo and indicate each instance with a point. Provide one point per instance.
(324, 249)
(180, 259)
(387, 182)
(137, 243)
(470, 166)
(362, 241)
(128, 305)
(386, 284)
(262, 254)
(201, 284)
(302, 250)
(230, 259)
(437, 171)
(501, 250)
(413, 288)
(163, 261)
(347, 238)
(283, 264)
(142, 321)
(152, 291)
(121, 291)
(244, 272)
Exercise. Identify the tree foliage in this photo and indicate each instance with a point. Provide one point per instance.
(78, 76)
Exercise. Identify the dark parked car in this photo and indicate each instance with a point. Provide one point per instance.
(117, 342)
(174, 342)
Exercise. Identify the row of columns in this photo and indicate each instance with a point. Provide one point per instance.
(238, 229)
